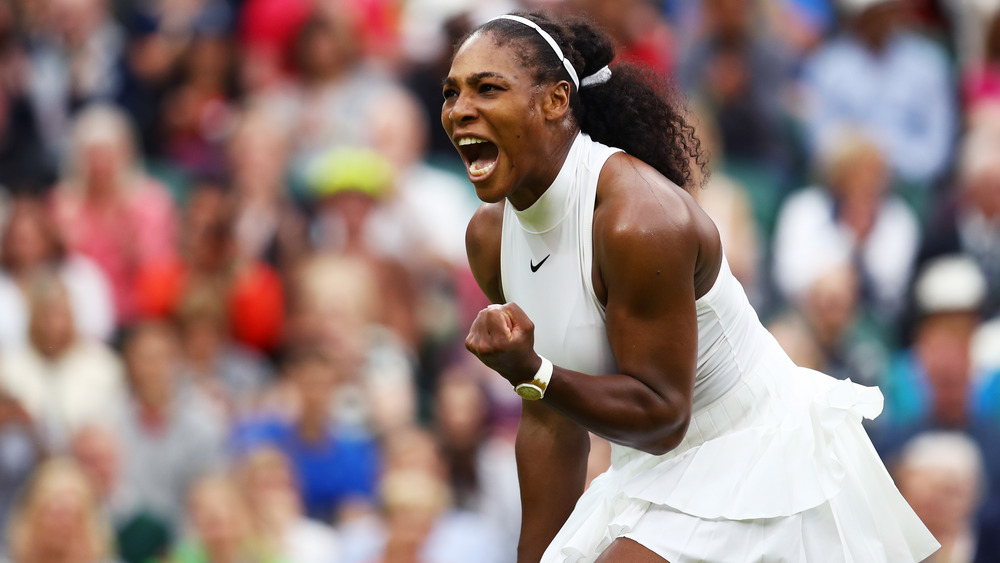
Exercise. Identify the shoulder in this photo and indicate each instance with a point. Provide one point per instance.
(635, 203)
(485, 223)
(482, 244)
(645, 222)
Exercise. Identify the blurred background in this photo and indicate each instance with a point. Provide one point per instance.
(233, 286)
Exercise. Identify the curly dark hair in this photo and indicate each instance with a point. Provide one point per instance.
(636, 110)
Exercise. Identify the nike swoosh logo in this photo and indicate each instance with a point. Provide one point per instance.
(535, 268)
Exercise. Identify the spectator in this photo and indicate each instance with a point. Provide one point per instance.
(267, 224)
(162, 38)
(335, 466)
(892, 83)
(108, 208)
(427, 208)
(336, 92)
(941, 475)
(30, 246)
(336, 308)
(229, 373)
(249, 289)
(63, 379)
(74, 61)
(221, 529)
(139, 536)
(170, 432)
(352, 186)
(742, 78)
(58, 520)
(931, 386)
(429, 29)
(829, 329)
(268, 482)
(199, 111)
(968, 219)
(853, 218)
(266, 32)
(418, 521)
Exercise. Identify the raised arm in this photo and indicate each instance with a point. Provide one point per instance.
(551, 450)
(655, 251)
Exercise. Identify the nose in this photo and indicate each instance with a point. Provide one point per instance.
(462, 110)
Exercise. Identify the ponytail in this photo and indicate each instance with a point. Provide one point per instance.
(634, 109)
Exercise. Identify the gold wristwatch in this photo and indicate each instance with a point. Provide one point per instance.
(535, 389)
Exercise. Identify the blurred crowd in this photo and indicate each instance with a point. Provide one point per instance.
(233, 287)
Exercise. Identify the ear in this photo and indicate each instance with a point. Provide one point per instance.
(556, 102)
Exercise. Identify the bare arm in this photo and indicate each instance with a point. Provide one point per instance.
(551, 450)
(551, 453)
(654, 249)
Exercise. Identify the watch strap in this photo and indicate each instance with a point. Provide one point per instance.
(535, 389)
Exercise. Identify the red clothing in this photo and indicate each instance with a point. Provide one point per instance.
(254, 297)
(981, 84)
(272, 25)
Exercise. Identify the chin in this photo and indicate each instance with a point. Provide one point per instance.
(489, 192)
(489, 197)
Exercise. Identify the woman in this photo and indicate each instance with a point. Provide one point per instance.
(58, 519)
(723, 450)
(108, 208)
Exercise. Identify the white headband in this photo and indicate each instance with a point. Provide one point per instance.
(550, 40)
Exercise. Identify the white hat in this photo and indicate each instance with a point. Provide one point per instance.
(951, 283)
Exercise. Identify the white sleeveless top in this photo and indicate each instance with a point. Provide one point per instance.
(546, 265)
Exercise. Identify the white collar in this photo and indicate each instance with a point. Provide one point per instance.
(553, 205)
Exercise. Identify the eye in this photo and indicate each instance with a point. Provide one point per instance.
(449, 93)
(484, 88)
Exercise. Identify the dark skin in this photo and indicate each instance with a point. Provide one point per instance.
(655, 253)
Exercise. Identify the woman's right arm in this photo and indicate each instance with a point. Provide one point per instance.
(551, 450)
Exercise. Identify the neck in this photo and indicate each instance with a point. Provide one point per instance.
(222, 552)
(553, 160)
(312, 429)
(552, 204)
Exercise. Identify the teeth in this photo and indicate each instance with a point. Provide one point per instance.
(470, 141)
(481, 171)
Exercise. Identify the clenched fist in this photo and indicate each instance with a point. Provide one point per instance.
(503, 338)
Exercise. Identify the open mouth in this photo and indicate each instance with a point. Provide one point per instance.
(480, 156)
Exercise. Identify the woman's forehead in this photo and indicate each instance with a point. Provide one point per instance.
(481, 53)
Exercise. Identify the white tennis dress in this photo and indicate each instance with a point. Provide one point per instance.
(775, 465)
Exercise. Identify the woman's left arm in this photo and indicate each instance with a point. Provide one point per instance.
(646, 248)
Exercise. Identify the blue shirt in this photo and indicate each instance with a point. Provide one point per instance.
(903, 97)
(342, 466)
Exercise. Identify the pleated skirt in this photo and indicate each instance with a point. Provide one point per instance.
(780, 469)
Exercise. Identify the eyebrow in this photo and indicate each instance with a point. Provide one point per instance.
(474, 78)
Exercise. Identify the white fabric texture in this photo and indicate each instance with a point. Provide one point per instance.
(64, 394)
(775, 465)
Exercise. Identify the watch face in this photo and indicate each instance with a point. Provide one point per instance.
(529, 392)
